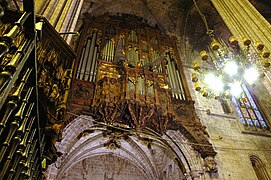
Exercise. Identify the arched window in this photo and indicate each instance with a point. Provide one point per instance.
(259, 168)
(248, 111)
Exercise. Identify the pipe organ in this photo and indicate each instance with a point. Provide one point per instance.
(129, 74)
(139, 49)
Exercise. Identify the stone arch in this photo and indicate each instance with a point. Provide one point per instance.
(259, 167)
(83, 140)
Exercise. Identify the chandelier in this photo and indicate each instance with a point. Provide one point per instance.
(227, 65)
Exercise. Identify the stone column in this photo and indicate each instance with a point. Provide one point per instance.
(243, 19)
(62, 14)
(69, 17)
(41, 6)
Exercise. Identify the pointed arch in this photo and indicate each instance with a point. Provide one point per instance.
(259, 168)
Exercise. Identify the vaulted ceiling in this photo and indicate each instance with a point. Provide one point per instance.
(174, 17)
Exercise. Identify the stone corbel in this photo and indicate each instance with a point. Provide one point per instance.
(210, 165)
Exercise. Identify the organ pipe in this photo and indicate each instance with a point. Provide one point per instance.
(172, 78)
(94, 59)
(79, 71)
(112, 52)
(90, 57)
(181, 85)
(95, 68)
(85, 60)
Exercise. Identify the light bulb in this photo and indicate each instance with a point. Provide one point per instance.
(251, 75)
(236, 89)
(231, 68)
(214, 83)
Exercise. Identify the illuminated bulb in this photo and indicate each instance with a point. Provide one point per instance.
(236, 89)
(251, 75)
(231, 68)
(214, 82)
(218, 85)
(209, 78)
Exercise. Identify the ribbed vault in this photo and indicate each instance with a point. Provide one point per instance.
(153, 157)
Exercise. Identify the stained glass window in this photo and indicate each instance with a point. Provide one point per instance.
(247, 110)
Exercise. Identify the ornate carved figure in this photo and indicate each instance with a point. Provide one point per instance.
(210, 164)
(55, 93)
(53, 133)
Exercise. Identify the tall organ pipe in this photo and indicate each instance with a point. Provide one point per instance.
(173, 68)
(94, 59)
(95, 67)
(181, 85)
(80, 63)
(85, 60)
(112, 51)
(90, 57)
(172, 77)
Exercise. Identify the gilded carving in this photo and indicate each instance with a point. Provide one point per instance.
(55, 93)
(140, 114)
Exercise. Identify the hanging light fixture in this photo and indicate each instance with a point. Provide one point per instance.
(228, 65)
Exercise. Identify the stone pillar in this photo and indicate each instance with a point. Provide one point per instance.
(62, 14)
(41, 6)
(243, 19)
(49, 9)
(69, 18)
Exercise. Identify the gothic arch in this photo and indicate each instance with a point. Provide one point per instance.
(83, 140)
(259, 168)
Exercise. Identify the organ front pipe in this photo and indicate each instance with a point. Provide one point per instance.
(170, 81)
(181, 84)
(87, 60)
(80, 64)
(95, 67)
(107, 50)
(94, 59)
(90, 55)
(112, 51)
(84, 60)
(171, 77)
(177, 81)
(172, 64)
